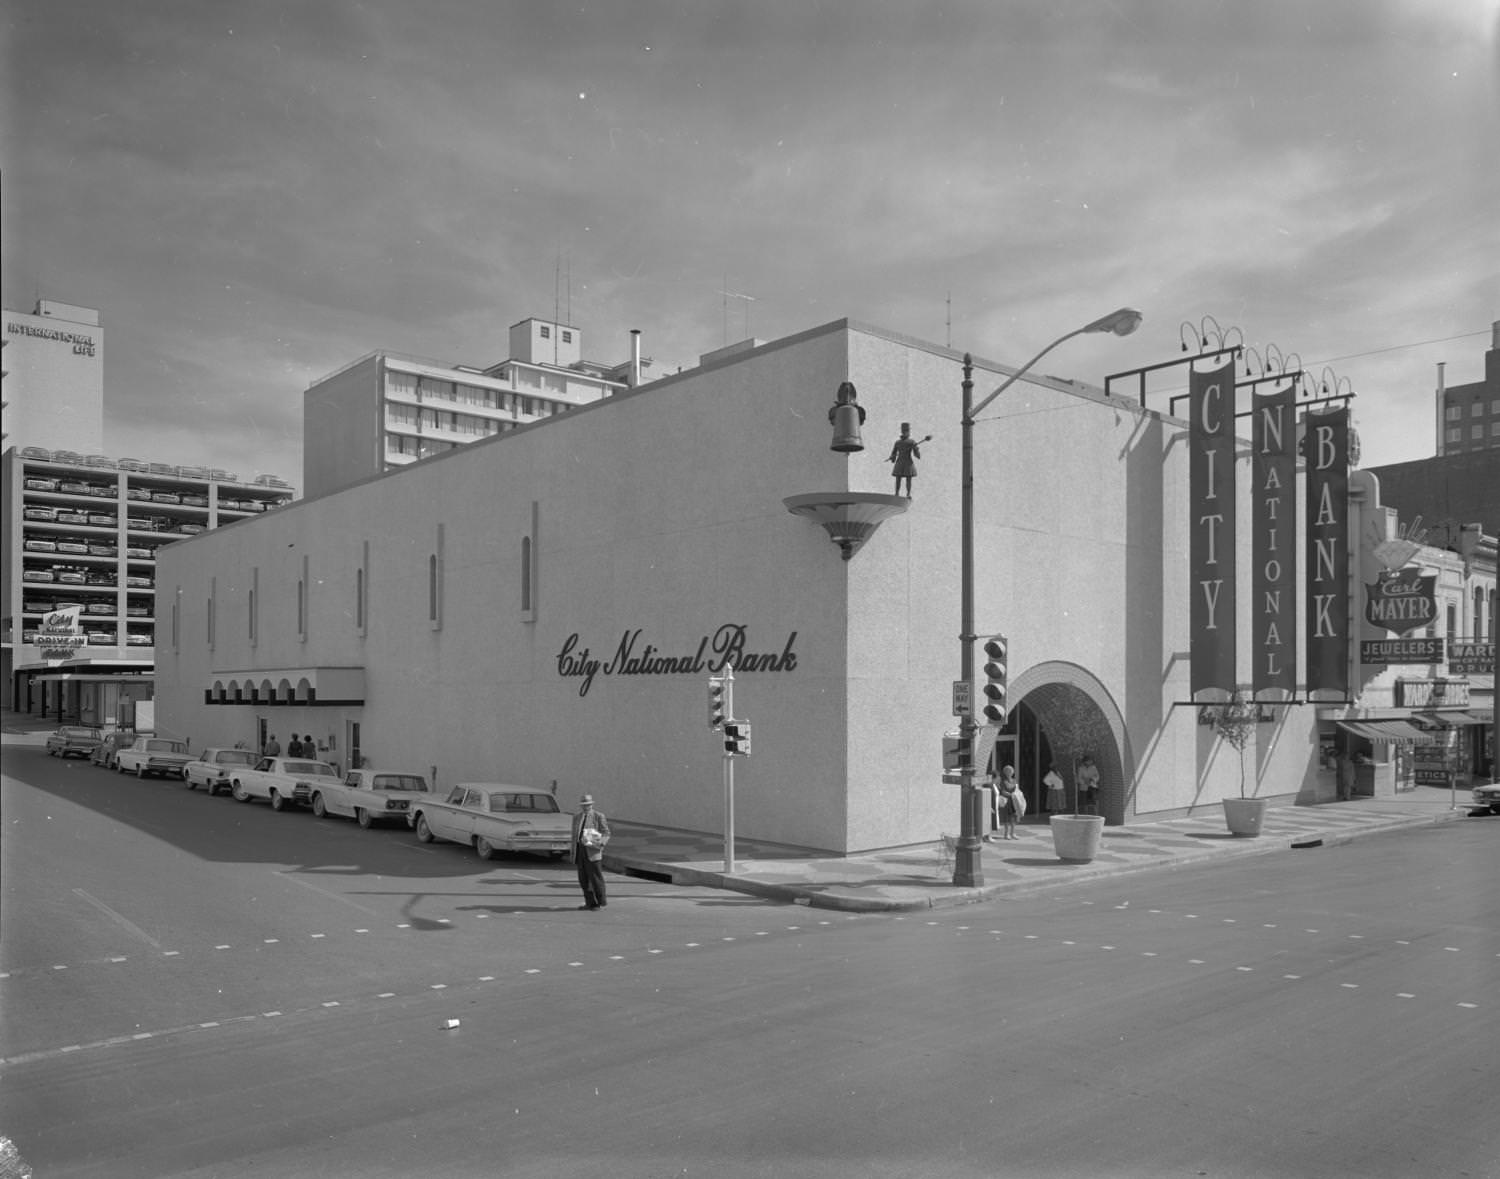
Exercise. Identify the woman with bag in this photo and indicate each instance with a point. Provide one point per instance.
(1012, 802)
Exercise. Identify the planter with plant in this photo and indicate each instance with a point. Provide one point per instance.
(1234, 723)
(1076, 837)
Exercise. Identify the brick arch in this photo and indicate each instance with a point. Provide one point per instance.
(1078, 715)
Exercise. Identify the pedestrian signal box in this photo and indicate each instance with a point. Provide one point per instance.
(737, 738)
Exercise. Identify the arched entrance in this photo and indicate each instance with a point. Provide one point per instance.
(1059, 713)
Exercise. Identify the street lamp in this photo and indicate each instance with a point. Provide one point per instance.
(967, 870)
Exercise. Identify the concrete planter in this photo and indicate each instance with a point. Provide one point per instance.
(1075, 838)
(1244, 816)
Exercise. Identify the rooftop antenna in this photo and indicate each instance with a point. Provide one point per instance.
(728, 295)
(950, 319)
(556, 297)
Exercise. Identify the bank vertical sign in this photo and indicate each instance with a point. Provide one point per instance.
(1273, 581)
(1211, 551)
(1327, 556)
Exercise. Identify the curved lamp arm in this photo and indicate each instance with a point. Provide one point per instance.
(1121, 322)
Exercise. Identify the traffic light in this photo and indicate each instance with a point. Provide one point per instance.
(718, 703)
(995, 671)
(737, 738)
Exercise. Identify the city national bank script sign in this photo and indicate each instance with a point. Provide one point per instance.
(728, 646)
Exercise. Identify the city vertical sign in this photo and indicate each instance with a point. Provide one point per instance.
(1211, 549)
(1273, 582)
(1327, 555)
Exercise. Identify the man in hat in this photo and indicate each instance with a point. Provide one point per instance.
(904, 454)
(590, 834)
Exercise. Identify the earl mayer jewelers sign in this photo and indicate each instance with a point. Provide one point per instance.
(727, 646)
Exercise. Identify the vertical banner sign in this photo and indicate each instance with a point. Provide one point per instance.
(1327, 560)
(1273, 582)
(1211, 536)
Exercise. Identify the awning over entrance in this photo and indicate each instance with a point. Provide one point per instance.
(1385, 730)
(1454, 719)
(295, 686)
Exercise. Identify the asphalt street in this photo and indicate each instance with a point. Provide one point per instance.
(196, 987)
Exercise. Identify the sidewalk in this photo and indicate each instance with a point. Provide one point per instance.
(921, 878)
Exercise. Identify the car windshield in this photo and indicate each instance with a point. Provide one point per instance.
(166, 747)
(316, 769)
(534, 803)
(410, 782)
(234, 757)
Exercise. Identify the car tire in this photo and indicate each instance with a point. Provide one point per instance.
(362, 817)
(140, 771)
(278, 803)
(237, 792)
(189, 783)
(424, 832)
(318, 808)
(484, 848)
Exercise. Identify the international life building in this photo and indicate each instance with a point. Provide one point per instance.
(546, 605)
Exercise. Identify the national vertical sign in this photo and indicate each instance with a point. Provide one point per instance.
(1211, 530)
(1273, 583)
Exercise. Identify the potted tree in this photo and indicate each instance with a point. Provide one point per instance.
(1076, 837)
(1234, 723)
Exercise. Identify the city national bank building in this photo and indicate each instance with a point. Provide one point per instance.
(546, 606)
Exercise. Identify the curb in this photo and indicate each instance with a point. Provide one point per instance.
(819, 896)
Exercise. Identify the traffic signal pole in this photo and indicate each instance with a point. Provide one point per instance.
(728, 679)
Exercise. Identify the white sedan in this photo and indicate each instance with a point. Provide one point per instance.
(491, 817)
(368, 796)
(215, 768)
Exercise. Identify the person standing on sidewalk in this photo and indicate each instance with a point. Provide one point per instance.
(1012, 802)
(1088, 786)
(590, 834)
(273, 747)
(1346, 776)
(1057, 790)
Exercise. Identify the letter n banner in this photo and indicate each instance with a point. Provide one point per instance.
(1211, 528)
(1327, 564)
(1273, 581)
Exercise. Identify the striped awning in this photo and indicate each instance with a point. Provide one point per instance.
(1385, 730)
(1453, 720)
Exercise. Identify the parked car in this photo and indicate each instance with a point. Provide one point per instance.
(72, 741)
(282, 781)
(491, 817)
(369, 796)
(153, 755)
(214, 767)
(1488, 795)
(110, 745)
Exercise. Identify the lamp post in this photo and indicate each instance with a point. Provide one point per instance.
(967, 869)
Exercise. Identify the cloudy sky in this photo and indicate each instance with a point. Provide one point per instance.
(254, 194)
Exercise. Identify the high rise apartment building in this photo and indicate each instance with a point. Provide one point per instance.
(1468, 416)
(386, 410)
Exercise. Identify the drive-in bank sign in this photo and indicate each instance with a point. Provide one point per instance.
(726, 646)
(61, 633)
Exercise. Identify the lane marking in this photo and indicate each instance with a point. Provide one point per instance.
(327, 892)
(123, 922)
